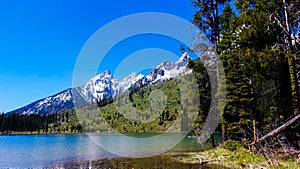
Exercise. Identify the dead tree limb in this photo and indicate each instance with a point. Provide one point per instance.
(277, 130)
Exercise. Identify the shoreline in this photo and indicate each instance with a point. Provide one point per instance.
(58, 133)
(217, 158)
(168, 160)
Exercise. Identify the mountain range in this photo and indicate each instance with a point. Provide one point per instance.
(104, 86)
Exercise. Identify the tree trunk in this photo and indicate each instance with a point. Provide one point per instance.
(292, 51)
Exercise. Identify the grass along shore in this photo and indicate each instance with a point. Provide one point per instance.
(217, 158)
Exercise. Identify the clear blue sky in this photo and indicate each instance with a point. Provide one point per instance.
(40, 41)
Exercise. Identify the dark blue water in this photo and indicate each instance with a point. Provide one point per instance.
(38, 151)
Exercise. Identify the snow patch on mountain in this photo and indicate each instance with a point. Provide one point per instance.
(165, 71)
(104, 86)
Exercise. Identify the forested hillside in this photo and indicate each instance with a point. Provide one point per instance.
(133, 111)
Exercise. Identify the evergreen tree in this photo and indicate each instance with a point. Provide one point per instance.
(206, 18)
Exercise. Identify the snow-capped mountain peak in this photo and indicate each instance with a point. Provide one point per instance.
(127, 83)
(98, 87)
(105, 75)
(166, 70)
(103, 86)
(183, 60)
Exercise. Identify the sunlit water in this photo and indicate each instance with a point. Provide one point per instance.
(37, 151)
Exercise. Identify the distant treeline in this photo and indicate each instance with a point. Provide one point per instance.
(40, 123)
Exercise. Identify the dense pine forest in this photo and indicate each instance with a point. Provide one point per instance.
(258, 44)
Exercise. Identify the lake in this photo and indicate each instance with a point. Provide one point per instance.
(38, 151)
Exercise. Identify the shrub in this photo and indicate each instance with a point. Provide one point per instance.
(231, 145)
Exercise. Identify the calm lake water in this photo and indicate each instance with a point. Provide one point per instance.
(37, 151)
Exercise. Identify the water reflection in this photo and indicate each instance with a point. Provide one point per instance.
(37, 151)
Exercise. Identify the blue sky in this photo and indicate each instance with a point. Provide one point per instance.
(41, 40)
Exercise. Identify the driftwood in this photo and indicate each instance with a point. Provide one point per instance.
(202, 162)
(277, 130)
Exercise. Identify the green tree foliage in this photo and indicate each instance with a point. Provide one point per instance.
(206, 18)
(252, 66)
(255, 57)
(204, 86)
(39, 123)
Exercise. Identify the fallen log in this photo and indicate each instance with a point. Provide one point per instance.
(277, 130)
